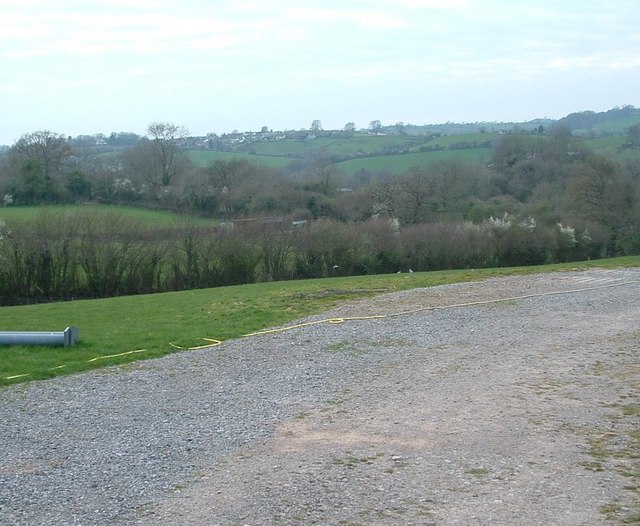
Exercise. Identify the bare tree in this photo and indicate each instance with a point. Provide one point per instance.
(51, 151)
(417, 190)
(385, 197)
(598, 192)
(37, 162)
(165, 138)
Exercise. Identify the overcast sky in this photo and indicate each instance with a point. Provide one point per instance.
(84, 67)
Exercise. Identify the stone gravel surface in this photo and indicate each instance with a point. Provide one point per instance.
(477, 403)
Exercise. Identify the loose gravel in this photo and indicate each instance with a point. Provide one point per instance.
(438, 413)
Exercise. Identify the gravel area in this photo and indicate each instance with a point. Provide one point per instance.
(507, 401)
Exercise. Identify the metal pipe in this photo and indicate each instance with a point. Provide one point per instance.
(66, 338)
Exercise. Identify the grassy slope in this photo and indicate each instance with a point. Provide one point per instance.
(290, 148)
(619, 125)
(278, 154)
(400, 163)
(155, 323)
(333, 146)
(368, 151)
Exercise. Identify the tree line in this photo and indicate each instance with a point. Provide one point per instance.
(92, 254)
(542, 198)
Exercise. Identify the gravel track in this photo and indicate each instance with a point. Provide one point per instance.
(481, 414)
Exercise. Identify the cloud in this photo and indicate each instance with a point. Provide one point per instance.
(299, 55)
(365, 17)
(93, 33)
(595, 62)
(446, 5)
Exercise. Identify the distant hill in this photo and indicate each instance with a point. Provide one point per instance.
(457, 128)
(396, 137)
(615, 121)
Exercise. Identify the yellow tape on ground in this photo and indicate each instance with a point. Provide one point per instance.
(334, 321)
(213, 343)
(116, 355)
(16, 376)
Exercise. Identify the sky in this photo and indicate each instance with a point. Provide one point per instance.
(83, 67)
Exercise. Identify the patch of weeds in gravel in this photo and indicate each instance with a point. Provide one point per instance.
(332, 402)
(621, 514)
(593, 466)
(375, 516)
(620, 451)
(617, 448)
(351, 461)
(401, 514)
(398, 462)
(480, 473)
(420, 508)
(390, 343)
(544, 386)
(631, 410)
(346, 347)
(506, 303)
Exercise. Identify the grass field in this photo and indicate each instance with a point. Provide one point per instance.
(125, 329)
(613, 147)
(450, 140)
(278, 154)
(335, 146)
(202, 158)
(290, 148)
(605, 143)
(143, 217)
(615, 125)
(402, 162)
(369, 152)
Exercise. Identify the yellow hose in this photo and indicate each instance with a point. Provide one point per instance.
(215, 343)
(443, 307)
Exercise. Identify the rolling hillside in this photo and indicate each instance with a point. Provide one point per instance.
(391, 151)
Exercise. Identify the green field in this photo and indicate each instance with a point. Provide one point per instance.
(359, 145)
(367, 151)
(142, 216)
(447, 141)
(613, 147)
(376, 153)
(364, 144)
(605, 143)
(402, 162)
(125, 329)
(290, 148)
(618, 125)
(203, 158)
